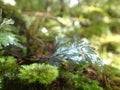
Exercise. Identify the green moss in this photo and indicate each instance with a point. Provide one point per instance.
(42, 73)
(84, 83)
(8, 67)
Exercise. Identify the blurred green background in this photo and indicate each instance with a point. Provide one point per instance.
(97, 21)
(38, 22)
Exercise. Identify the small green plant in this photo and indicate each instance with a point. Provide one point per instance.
(8, 69)
(6, 37)
(84, 83)
(41, 73)
(75, 81)
(75, 51)
(8, 66)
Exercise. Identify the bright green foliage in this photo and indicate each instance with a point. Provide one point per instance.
(6, 37)
(84, 83)
(42, 73)
(8, 66)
